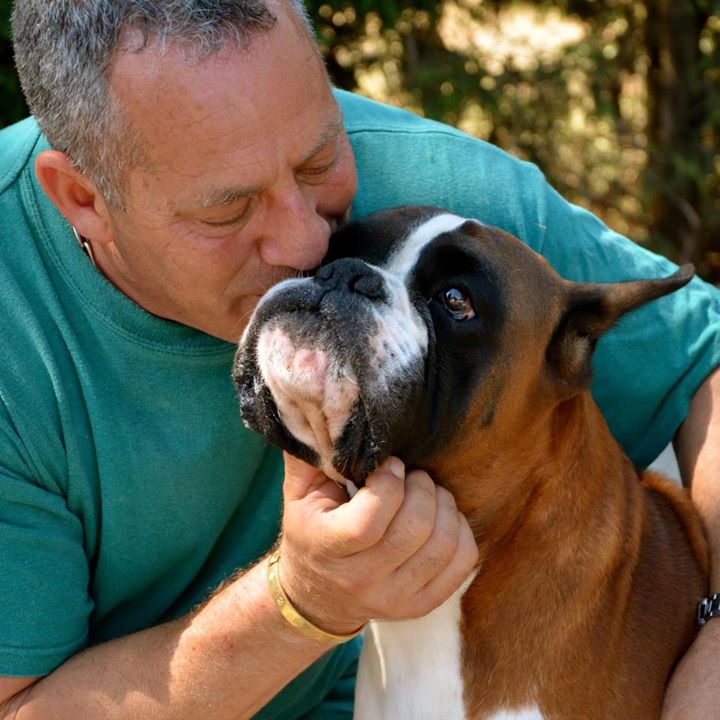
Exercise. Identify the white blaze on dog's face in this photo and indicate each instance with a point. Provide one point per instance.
(421, 326)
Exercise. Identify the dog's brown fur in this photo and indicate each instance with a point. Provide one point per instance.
(590, 572)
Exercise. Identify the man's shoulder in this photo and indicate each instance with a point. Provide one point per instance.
(367, 119)
(22, 269)
(28, 301)
(363, 114)
(16, 145)
(406, 159)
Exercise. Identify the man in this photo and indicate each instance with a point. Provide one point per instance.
(200, 156)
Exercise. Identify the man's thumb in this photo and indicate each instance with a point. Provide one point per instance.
(302, 480)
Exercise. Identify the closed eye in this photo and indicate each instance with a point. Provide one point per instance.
(320, 170)
(225, 223)
(238, 218)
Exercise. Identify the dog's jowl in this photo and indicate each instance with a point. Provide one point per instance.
(454, 346)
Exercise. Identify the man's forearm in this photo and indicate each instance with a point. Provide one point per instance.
(221, 661)
(697, 446)
(693, 693)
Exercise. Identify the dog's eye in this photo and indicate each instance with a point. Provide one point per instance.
(457, 303)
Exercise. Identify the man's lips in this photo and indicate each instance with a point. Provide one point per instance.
(267, 277)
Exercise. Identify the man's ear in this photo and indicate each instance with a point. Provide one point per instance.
(591, 310)
(79, 201)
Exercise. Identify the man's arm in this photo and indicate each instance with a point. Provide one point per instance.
(697, 446)
(397, 549)
(225, 660)
(694, 690)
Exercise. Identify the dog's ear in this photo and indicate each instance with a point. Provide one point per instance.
(591, 310)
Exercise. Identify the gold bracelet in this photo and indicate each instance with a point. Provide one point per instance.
(290, 612)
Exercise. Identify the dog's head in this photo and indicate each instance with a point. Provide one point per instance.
(420, 327)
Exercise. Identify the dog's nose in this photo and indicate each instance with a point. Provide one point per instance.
(353, 276)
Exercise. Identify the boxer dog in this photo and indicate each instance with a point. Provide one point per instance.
(454, 346)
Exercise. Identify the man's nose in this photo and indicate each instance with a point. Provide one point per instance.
(296, 236)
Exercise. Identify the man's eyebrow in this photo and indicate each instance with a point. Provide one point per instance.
(227, 196)
(331, 131)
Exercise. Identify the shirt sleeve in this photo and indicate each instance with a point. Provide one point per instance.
(648, 367)
(44, 580)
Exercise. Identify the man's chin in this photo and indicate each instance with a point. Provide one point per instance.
(234, 321)
(228, 325)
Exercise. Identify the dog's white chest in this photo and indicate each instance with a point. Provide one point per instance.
(411, 670)
(529, 714)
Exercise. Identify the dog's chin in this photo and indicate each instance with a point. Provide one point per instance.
(361, 447)
(358, 450)
(313, 406)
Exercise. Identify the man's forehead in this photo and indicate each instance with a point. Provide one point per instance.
(232, 98)
(218, 130)
(328, 132)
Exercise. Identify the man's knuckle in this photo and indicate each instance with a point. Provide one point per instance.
(422, 503)
(420, 481)
(445, 497)
(420, 606)
(367, 531)
(440, 554)
(392, 603)
(418, 526)
(449, 539)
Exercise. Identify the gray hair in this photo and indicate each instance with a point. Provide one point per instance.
(64, 50)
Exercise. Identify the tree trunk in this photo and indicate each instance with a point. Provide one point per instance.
(675, 118)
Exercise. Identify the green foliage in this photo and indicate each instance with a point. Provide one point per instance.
(618, 101)
(12, 103)
(583, 88)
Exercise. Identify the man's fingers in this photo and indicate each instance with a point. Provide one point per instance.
(300, 478)
(439, 566)
(442, 586)
(362, 522)
(413, 524)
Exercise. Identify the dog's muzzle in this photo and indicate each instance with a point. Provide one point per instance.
(325, 363)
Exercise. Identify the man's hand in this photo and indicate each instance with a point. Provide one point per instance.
(694, 691)
(397, 550)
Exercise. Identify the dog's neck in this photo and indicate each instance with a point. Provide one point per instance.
(550, 550)
(551, 473)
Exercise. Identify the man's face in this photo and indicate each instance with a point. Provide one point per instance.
(249, 170)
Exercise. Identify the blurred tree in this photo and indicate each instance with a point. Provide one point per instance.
(682, 131)
(12, 103)
(618, 101)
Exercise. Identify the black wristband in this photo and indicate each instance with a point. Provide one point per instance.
(708, 608)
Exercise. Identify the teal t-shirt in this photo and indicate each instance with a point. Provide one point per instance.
(129, 488)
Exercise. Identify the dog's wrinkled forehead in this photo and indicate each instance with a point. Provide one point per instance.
(393, 239)
(405, 256)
